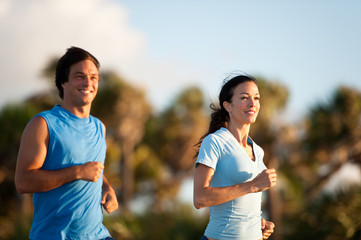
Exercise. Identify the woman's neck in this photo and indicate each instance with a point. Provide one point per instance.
(240, 132)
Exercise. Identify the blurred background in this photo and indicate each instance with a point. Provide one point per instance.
(162, 64)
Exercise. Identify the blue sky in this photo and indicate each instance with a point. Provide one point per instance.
(164, 46)
(310, 46)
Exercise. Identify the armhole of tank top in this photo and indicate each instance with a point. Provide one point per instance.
(103, 128)
(47, 126)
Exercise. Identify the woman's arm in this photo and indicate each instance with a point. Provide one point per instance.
(205, 196)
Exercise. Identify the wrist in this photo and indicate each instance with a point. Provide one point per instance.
(106, 187)
(252, 187)
(77, 173)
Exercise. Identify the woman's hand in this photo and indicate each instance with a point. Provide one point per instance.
(265, 180)
(267, 228)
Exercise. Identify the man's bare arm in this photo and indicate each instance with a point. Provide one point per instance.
(30, 178)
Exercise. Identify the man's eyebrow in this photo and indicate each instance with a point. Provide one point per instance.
(247, 93)
(83, 73)
(78, 72)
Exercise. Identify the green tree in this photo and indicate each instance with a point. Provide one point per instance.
(333, 133)
(13, 119)
(331, 217)
(124, 110)
(331, 139)
(171, 135)
(267, 132)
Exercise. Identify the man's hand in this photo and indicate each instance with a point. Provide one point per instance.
(267, 228)
(91, 171)
(109, 200)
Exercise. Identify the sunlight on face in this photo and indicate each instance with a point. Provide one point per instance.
(82, 85)
(245, 103)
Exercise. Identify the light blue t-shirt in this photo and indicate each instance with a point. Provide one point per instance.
(72, 211)
(240, 218)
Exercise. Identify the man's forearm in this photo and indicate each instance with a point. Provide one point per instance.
(38, 180)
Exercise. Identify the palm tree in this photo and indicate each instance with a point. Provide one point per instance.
(267, 132)
(124, 110)
(333, 135)
(331, 139)
(171, 136)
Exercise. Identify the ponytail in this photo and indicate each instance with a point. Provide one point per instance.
(219, 119)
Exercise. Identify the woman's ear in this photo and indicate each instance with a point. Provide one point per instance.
(227, 106)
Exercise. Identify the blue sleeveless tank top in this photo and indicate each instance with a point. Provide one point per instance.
(71, 211)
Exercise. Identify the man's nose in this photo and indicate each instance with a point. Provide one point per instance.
(87, 80)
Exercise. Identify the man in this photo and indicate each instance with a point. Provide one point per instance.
(61, 158)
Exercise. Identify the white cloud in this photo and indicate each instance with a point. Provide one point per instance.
(4, 7)
(34, 31)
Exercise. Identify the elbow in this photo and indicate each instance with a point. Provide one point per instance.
(197, 206)
(20, 186)
(198, 203)
(20, 189)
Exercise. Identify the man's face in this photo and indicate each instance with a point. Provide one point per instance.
(82, 85)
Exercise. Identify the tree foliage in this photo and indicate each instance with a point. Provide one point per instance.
(124, 110)
(331, 138)
(150, 155)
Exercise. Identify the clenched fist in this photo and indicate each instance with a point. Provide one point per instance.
(265, 180)
(91, 171)
(267, 228)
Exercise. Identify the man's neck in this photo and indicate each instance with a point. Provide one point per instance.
(79, 111)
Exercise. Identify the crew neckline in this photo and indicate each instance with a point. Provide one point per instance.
(71, 115)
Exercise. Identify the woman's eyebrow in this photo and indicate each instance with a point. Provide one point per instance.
(246, 93)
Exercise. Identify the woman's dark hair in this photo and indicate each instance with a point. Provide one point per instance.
(72, 56)
(220, 116)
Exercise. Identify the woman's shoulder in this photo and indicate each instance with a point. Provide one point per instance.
(219, 137)
(220, 133)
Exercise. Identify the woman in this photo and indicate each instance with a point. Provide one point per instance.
(230, 174)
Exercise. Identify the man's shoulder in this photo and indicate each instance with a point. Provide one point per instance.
(46, 113)
(95, 119)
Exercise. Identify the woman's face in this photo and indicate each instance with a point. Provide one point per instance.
(245, 103)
